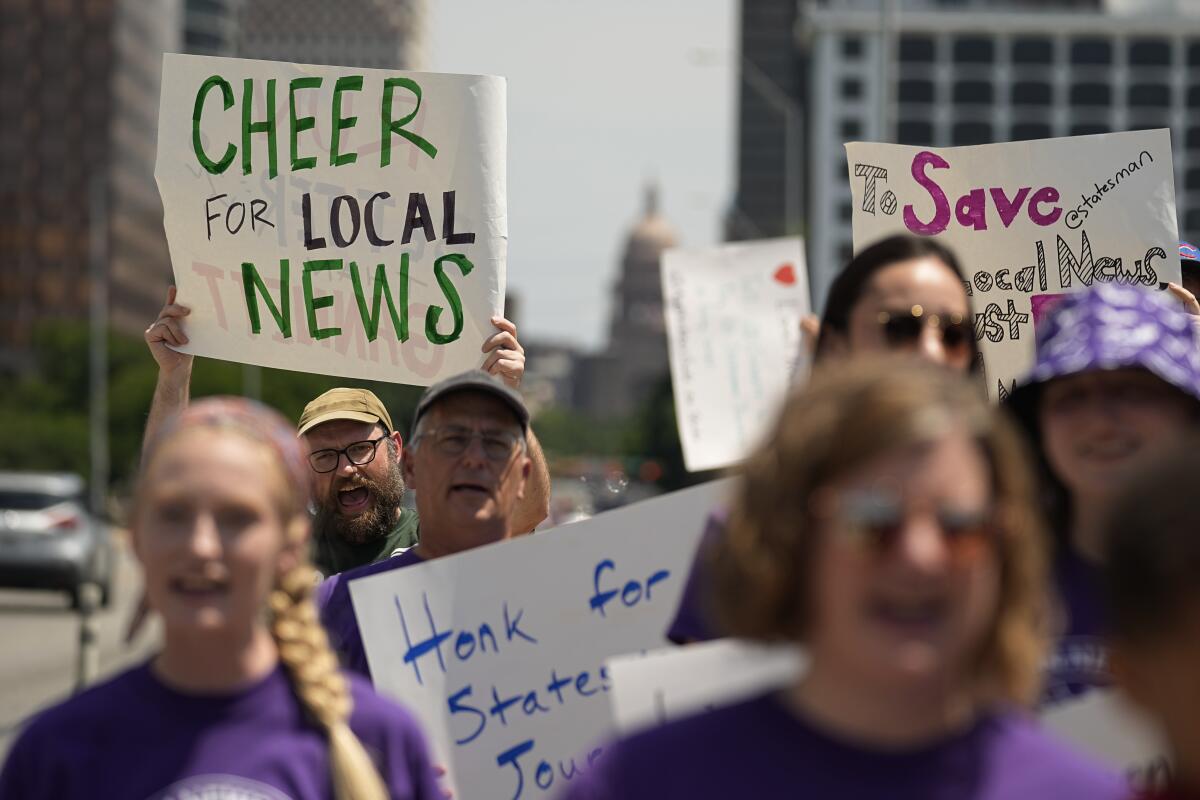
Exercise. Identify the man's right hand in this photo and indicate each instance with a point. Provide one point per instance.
(168, 329)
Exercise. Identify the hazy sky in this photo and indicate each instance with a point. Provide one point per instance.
(603, 95)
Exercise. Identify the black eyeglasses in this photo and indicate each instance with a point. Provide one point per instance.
(358, 453)
(904, 328)
(454, 441)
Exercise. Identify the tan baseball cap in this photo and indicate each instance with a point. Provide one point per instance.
(360, 405)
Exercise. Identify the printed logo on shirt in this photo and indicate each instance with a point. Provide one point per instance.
(1078, 664)
(220, 787)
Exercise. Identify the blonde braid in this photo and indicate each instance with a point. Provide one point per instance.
(322, 688)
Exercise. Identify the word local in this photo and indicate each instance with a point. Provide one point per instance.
(344, 232)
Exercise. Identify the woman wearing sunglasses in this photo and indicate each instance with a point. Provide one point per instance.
(886, 525)
(245, 699)
(903, 293)
(1116, 379)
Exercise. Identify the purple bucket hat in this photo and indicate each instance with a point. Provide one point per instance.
(1112, 326)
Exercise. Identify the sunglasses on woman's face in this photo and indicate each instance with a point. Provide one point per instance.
(903, 329)
(876, 521)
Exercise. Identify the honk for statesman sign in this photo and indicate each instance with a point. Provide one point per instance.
(334, 220)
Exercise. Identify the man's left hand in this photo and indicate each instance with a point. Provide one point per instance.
(506, 357)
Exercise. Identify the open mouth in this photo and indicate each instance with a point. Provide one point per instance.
(353, 500)
(469, 489)
(198, 587)
(911, 615)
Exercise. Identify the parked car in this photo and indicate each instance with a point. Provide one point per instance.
(48, 540)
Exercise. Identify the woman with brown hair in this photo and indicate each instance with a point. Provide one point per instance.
(885, 524)
(239, 703)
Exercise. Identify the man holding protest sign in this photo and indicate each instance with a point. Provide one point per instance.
(357, 499)
(469, 462)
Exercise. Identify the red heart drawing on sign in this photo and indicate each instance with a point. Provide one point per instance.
(786, 275)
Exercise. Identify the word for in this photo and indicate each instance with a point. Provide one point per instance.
(345, 233)
(579, 685)
(236, 209)
(466, 641)
(631, 593)
(544, 774)
(1076, 216)
(398, 310)
(389, 126)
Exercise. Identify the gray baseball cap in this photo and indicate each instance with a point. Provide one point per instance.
(473, 380)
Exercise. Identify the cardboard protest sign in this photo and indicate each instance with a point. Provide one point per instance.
(733, 326)
(674, 682)
(1028, 220)
(1101, 724)
(333, 220)
(500, 651)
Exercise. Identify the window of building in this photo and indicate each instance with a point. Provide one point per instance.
(1089, 129)
(1032, 51)
(1149, 95)
(1031, 93)
(973, 92)
(1148, 124)
(1091, 94)
(846, 252)
(1091, 51)
(974, 50)
(1192, 140)
(1192, 179)
(1191, 223)
(845, 212)
(1030, 130)
(1193, 97)
(851, 88)
(852, 48)
(972, 133)
(1193, 54)
(1149, 53)
(915, 91)
(917, 49)
(851, 129)
(914, 132)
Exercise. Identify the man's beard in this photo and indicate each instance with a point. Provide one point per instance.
(373, 524)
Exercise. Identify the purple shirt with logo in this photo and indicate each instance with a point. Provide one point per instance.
(1078, 661)
(759, 748)
(337, 611)
(134, 737)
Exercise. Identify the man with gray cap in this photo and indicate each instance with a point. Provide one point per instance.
(468, 462)
(355, 451)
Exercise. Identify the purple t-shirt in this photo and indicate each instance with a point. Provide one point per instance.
(758, 748)
(1078, 661)
(134, 737)
(691, 623)
(337, 610)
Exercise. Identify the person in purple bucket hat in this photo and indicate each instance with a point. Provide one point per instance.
(1116, 380)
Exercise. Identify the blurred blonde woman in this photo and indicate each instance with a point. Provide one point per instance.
(245, 699)
(887, 525)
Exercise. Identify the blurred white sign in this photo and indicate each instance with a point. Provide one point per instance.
(334, 220)
(674, 682)
(1100, 723)
(1028, 221)
(733, 325)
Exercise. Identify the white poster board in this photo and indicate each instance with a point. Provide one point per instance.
(500, 651)
(1103, 725)
(334, 220)
(675, 682)
(1028, 221)
(733, 326)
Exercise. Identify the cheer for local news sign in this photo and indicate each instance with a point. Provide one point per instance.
(1029, 221)
(342, 221)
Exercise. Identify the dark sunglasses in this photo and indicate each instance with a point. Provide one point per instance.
(904, 328)
(876, 520)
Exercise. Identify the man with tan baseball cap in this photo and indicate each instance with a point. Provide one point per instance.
(354, 451)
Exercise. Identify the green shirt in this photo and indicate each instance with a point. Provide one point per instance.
(331, 554)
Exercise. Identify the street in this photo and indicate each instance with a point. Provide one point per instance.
(40, 645)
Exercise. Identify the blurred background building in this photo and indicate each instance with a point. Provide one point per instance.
(79, 100)
(944, 73)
